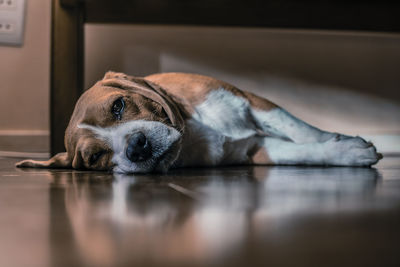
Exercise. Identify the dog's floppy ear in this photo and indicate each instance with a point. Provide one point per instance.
(61, 160)
(148, 90)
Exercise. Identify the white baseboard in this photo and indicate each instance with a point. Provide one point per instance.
(24, 155)
(19, 142)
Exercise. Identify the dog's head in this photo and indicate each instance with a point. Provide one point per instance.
(122, 123)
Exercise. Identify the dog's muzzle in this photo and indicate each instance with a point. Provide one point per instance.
(138, 147)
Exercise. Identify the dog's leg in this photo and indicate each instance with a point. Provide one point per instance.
(308, 145)
(280, 123)
(336, 151)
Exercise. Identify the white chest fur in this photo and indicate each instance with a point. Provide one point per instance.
(221, 132)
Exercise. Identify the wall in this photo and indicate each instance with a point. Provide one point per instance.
(340, 81)
(24, 84)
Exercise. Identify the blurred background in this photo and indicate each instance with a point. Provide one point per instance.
(337, 80)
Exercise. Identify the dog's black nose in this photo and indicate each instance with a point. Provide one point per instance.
(138, 148)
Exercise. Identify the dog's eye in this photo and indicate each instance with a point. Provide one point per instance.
(118, 108)
(95, 157)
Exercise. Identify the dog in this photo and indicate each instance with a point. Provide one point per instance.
(129, 124)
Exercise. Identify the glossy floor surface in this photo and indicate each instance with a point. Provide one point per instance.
(239, 216)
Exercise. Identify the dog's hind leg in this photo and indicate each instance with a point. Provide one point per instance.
(307, 141)
(280, 123)
(277, 122)
(334, 152)
(308, 144)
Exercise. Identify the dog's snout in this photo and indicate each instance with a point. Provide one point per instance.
(138, 147)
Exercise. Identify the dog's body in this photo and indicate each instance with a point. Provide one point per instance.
(128, 124)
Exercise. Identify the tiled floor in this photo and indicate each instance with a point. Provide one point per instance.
(239, 216)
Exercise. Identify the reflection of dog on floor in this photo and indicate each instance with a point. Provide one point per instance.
(136, 222)
(129, 124)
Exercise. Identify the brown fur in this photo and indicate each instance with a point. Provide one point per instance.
(260, 157)
(193, 88)
(93, 108)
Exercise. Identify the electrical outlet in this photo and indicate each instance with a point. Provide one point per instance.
(7, 27)
(8, 4)
(12, 16)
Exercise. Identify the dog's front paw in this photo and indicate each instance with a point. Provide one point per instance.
(345, 150)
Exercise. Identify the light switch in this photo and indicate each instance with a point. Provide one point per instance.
(12, 16)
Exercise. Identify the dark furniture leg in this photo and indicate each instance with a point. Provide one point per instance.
(66, 67)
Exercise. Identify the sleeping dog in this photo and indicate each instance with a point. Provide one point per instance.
(137, 125)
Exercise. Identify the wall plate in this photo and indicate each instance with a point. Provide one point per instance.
(12, 17)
